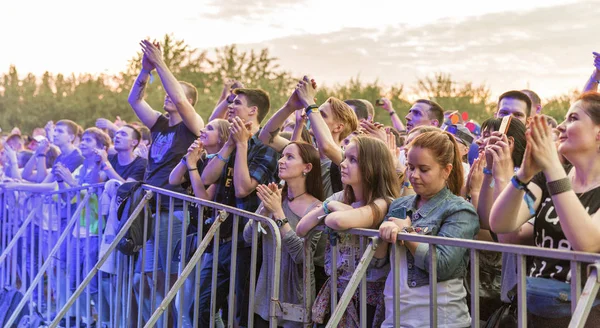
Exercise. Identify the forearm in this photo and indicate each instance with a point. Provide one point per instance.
(362, 217)
(324, 139)
(41, 170)
(592, 82)
(198, 185)
(220, 111)
(485, 201)
(298, 129)
(177, 176)
(269, 135)
(242, 181)
(27, 173)
(12, 171)
(504, 215)
(112, 174)
(309, 221)
(397, 122)
(214, 168)
(138, 90)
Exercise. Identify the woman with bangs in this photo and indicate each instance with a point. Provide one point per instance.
(300, 168)
(565, 201)
(371, 184)
(434, 169)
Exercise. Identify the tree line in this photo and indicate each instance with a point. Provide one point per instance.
(29, 101)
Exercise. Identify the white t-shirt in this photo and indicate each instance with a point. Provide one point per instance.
(414, 302)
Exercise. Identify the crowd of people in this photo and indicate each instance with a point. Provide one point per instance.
(526, 181)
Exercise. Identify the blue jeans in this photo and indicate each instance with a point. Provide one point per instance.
(223, 280)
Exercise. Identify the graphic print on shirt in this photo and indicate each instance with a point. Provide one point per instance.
(550, 236)
(161, 146)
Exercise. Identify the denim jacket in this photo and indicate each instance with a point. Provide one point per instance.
(445, 215)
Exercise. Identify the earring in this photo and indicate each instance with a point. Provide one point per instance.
(304, 174)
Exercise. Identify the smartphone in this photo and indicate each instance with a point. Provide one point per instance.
(505, 124)
(379, 102)
(39, 138)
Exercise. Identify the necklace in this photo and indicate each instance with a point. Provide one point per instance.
(291, 199)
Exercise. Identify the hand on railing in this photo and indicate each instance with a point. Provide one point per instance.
(388, 231)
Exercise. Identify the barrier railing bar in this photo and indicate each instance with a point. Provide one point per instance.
(185, 273)
(521, 291)
(54, 250)
(363, 290)
(183, 243)
(156, 227)
(253, 257)
(233, 271)
(143, 265)
(432, 285)
(587, 298)
(395, 264)
(575, 284)
(215, 267)
(359, 272)
(199, 265)
(474, 262)
(15, 239)
(96, 268)
(308, 279)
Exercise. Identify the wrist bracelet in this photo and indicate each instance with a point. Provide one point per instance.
(392, 113)
(559, 186)
(529, 196)
(194, 169)
(325, 208)
(312, 109)
(219, 156)
(487, 171)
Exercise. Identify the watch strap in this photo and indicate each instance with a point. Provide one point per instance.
(282, 222)
(559, 186)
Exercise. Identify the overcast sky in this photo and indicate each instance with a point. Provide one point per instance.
(510, 44)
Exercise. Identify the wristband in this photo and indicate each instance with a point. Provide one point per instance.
(392, 113)
(325, 208)
(149, 74)
(558, 186)
(529, 196)
(219, 156)
(487, 171)
(40, 155)
(194, 169)
(312, 109)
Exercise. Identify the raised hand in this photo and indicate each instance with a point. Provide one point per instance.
(194, 152)
(42, 147)
(152, 52)
(499, 152)
(386, 104)
(103, 123)
(142, 150)
(541, 139)
(374, 129)
(240, 131)
(271, 199)
(306, 90)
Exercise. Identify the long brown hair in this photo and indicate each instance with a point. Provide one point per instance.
(445, 150)
(379, 179)
(313, 183)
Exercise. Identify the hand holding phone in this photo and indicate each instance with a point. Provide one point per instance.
(505, 124)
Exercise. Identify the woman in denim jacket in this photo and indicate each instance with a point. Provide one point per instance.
(435, 171)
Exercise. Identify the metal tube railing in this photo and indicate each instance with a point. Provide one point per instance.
(581, 304)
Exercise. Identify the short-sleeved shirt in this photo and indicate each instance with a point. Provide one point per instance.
(134, 170)
(262, 163)
(72, 160)
(549, 234)
(169, 145)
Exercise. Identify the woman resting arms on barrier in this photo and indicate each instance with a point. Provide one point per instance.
(435, 171)
(564, 202)
(300, 168)
(371, 184)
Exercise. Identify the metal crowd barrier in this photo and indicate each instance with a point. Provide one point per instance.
(174, 291)
(580, 306)
(34, 228)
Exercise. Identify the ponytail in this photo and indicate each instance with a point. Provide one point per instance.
(456, 177)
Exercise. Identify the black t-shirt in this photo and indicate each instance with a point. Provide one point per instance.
(169, 145)
(548, 232)
(134, 170)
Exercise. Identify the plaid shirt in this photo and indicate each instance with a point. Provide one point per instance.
(262, 165)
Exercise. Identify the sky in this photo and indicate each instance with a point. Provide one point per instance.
(544, 45)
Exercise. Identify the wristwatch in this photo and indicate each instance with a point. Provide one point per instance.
(282, 222)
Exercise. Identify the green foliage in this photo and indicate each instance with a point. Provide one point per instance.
(558, 106)
(28, 101)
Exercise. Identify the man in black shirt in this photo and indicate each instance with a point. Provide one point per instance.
(125, 166)
(172, 134)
